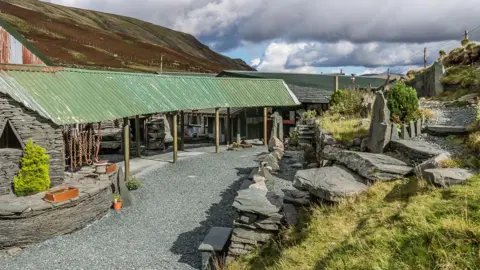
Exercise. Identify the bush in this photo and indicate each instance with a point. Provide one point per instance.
(310, 114)
(346, 102)
(133, 183)
(33, 174)
(293, 138)
(403, 102)
(465, 41)
(442, 53)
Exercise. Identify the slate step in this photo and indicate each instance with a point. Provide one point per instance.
(446, 130)
(414, 150)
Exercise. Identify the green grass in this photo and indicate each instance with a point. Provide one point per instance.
(465, 76)
(13, 20)
(343, 130)
(406, 224)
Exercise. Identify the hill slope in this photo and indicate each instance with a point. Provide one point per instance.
(82, 38)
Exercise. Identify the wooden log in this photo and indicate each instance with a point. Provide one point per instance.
(265, 111)
(229, 130)
(126, 149)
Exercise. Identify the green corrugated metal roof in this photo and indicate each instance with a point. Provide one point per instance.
(68, 96)
(321, 81)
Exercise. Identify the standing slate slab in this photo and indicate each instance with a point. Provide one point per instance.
(121, 188)
(379, 135)
(419, 126)
(412, 129)
(404, 133)
(394, 135)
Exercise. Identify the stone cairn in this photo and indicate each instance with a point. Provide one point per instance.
(260, 212)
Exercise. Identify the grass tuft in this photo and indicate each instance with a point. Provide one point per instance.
(406, 224)
(344, 129)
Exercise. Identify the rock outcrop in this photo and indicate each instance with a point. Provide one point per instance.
(447, 176)
(374, 166)
(330, 183)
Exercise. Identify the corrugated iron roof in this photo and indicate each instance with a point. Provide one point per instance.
(68, 96)
(320, 81)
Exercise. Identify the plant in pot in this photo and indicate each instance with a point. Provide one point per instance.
(117, 201)
(309, 117)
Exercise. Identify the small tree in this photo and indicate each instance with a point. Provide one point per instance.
(33, 174)
(442, 53)
(402, 102)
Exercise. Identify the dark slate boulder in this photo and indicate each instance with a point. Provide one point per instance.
(414, 150)
(447, 176)
(374, 166)
(330, 183)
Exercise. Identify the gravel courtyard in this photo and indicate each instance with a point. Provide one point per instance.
(173, 211)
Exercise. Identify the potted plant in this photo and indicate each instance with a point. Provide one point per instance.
(117, 201)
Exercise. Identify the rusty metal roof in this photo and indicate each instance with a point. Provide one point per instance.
(68, 96)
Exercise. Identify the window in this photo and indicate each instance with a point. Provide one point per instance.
(9, 137)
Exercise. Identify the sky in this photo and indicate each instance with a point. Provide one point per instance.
(312, 36)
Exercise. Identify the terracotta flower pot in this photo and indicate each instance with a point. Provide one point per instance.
(61, 194)
(117, 205)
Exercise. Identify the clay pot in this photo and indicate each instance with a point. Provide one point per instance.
(117, 206)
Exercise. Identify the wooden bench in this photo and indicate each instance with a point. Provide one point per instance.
(215, 243)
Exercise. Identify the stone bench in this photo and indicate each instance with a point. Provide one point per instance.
(215, 243)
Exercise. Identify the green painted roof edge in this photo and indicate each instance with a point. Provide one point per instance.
(17, 35)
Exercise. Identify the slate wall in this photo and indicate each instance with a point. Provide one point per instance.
(30, 125)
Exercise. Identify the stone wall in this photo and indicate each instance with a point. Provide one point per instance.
(30, 125)
(428, 82)
(35, 220)
(9, 164)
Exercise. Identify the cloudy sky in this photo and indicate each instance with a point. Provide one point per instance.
(312, 35)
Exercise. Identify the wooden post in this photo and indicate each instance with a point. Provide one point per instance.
(175, 137)
(137, 134)
(126, 147)
(246, 125)
(370, 87)
(217, 129)
(182, 130)
(425, 57)
(239, 133)
(229, 130)
(265, 126)
(335, 83)
(466, 34)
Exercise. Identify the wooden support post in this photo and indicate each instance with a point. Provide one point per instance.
(204, 121)
(137, 134)
(466, 34)
(229, 130)
(246, 125)
(425, 57)
(217, 129)
(335, 83)
(265, 126)
(182, 131)
(239, 133)
(126, 147)
(175, 137)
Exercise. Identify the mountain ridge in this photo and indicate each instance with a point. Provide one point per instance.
(85, 38)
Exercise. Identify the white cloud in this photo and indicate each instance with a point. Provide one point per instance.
(255, 62)
(276, 56)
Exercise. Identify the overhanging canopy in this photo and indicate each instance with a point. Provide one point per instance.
(68, 96)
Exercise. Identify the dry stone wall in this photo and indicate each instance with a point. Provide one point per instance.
(30, 125)
(9, 165)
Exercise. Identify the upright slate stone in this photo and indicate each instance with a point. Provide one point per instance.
(380, 129)
(394, 135)
(419, 127)
(412, 129)
(121, 188)
(404, 132)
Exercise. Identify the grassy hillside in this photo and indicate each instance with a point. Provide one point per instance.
(406, 224)
(76, 37)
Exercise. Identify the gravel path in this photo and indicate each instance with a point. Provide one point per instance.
(174, 209)
(450, 116)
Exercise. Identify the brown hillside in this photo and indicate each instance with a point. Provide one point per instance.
(85, 38)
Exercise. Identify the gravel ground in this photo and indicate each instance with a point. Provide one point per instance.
(450, 116)
(174, 209)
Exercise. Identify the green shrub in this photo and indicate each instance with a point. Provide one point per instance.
(293, 138)
(346, 102)
(310, 114)
(133, 183)
(33, 174)
(465, 41)
(403, 102)
(442, 53)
